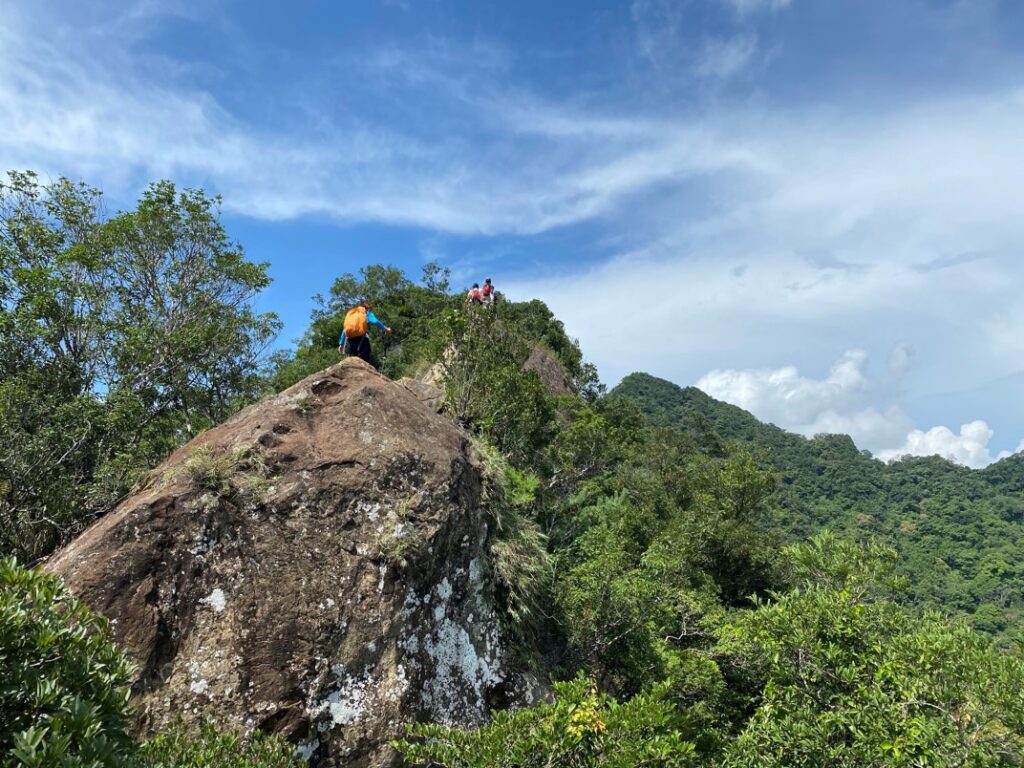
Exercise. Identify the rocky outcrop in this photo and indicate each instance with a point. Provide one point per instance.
(316, 566)
(427, 393)
(549, 370)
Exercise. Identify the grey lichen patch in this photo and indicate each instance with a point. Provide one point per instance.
(454, 645)
(348, 704)
(216, 600)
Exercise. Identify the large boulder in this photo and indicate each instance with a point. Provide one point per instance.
(316, 566)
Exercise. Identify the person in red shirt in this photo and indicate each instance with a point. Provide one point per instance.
(488, 292)
(475, 296)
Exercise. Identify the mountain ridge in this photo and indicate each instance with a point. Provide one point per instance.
(725, 412)
(958, 530)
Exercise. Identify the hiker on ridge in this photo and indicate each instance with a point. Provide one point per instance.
(475, 296)
(355, 338)
(488, 292)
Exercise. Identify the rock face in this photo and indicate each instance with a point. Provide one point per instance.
(549, 370)
(428, 394)
(315, 566)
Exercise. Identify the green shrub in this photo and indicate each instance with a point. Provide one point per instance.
(207, 747)
(582, 729)
(850, 679)
(63, 681)
(517, 546)
(486, 389)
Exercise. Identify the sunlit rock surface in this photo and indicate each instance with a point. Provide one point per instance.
(316, 566)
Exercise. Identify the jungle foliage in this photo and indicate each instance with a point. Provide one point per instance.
(958, 531)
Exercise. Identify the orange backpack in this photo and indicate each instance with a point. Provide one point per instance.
(356, 323)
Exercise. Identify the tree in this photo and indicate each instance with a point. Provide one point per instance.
(121, 337)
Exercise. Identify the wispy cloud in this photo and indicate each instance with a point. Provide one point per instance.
(951, 260)
(658, 26)
(747, 225)
(746, 7)
(501, 159)
(721, 59)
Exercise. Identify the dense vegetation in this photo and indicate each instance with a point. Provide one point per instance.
(663, 553)
(120, 338)
(959, 532)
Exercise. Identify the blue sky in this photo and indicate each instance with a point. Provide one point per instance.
(811, 208)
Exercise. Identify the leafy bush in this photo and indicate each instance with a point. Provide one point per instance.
(581, 729)
(207, 747)
(486, 389)
(851, 680)
(63, 681)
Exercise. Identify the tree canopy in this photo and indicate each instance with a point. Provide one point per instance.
(120, 337)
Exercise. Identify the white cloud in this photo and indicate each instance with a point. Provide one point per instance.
(745, 7)
(747, 234)
(939, 178)
(970, 447)
(844, 401)
(848, 401)
(721, 59)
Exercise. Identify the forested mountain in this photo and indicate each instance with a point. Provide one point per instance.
(342, 555)
(959, 532)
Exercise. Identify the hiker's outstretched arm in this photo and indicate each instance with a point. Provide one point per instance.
(374, 320)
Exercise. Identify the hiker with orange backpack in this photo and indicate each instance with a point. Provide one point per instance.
(355, 338)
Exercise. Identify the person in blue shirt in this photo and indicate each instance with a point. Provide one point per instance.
(355, 338)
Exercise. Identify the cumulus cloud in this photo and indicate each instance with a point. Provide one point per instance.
(846, 401)
(901, 357)
(841, 402)
(969, 447)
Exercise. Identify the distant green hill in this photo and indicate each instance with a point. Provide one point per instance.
(960, 532)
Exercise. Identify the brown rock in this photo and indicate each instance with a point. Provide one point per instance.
(428, 394)
(549, 370)
(315, 566)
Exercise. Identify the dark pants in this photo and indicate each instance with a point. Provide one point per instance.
(358, 346)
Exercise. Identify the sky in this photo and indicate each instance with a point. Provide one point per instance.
(810, 208)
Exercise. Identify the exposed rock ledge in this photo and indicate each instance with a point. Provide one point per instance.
(315, 566)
